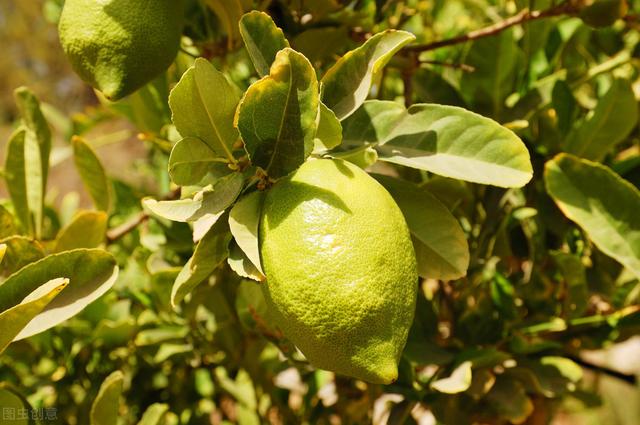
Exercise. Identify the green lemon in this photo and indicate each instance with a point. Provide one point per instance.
(118, 46)
(341, 269)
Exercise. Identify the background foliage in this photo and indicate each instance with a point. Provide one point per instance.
(552, 268)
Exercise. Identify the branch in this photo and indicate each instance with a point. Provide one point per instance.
(525, 15)
(129, 226)
(630, 379)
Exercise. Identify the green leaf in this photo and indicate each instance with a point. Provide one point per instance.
(229, 13)
(20, 251)
(190, 161)
(210, 252)
(13, 405)
(23, 174)
(87, 230)
(611, 122)
(567, 367)
(346, 84)
(457, 382)
(205, 203)
(34, 121)
(104, 410)
(240, 263)
(92, 173)
(203, 104)
(329, 132)
(91, 272)
(575, 280)
(263, 40)
(277, 115)
(15, 319)
(441, 247)
(601, 202)
(154, 414)
(363, 156)
(7, 224)
(495, 61)
(444, 140)
(158, 335)
(244, 221)
(373, 122)
(509, 399)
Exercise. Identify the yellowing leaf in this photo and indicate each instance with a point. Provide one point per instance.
(91, 272)
(14, 320)
(87, 230)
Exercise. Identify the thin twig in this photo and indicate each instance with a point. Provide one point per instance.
(631, 379)
(130, 225)
(127, 227)
(523, 16)
(462, 66)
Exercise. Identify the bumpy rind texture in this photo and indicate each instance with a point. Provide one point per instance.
(341, 269)
(118, 46)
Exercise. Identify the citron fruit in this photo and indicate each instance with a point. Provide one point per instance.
(117, 46)
(341, 269)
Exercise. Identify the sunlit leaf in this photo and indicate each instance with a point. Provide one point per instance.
(240, 263)
(34, 121)
(208, 202)
(329, 132)
(105, 407)
(154, 414)
(87, 230)
(277, 115)
(601, 202)
(15, 319)
(23, 173)
(210, 252)
(20, 251)
(190, 160)
(346, 84)
(457, 382)
(92, 173)
(456, 143)
(244, 220)
(263, 40)
(203, 104)
(91, 272)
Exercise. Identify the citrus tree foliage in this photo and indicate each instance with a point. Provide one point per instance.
(512, 153)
